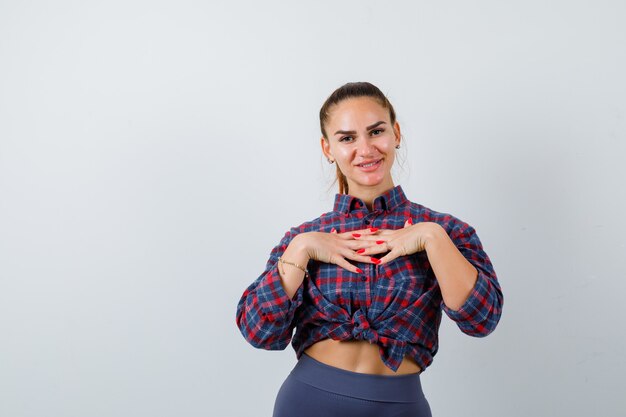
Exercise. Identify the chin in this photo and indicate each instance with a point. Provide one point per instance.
(371, 183)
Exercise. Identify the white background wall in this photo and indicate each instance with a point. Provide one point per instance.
(153, 152)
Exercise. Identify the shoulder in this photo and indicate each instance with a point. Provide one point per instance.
(323, 223)
(451, 223)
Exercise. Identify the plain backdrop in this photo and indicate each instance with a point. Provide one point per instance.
(153, 152)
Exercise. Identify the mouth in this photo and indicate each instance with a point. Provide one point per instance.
(371, 166)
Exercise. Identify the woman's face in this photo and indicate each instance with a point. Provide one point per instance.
(359, 132)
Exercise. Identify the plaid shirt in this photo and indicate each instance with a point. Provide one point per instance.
(396, 305)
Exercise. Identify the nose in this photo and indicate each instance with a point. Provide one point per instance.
(365, 148)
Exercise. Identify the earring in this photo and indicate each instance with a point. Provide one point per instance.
(329, 161)
(397, 146)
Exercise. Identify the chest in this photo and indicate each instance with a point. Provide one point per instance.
(396, 283)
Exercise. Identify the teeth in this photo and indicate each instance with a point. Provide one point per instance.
(370, 164)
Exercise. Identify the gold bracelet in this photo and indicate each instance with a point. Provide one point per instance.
(306, 271)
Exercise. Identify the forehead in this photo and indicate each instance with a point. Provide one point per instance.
(357, 111)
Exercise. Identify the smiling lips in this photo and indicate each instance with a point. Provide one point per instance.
(370, 166)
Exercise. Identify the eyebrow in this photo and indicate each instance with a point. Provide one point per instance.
(353, 132)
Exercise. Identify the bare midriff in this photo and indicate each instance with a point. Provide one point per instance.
(357, 356)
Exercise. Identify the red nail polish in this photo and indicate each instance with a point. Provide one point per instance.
(373, 229)
(356, 234)
(380, 242)
(375, 260)
(361, 250)
(410, 221)
(333, 230)
(359, 270)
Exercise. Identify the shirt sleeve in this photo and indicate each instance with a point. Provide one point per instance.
(481, 312)
(265, 312)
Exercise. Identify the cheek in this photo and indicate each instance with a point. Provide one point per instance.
(343, 154)
(387, 146)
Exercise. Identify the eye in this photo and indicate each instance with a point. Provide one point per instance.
(341, 140)
(378, 130)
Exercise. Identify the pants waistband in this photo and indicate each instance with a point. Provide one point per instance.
(391, 388)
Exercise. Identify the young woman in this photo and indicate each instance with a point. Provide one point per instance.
(364, 285)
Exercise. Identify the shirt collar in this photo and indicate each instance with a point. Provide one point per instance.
(387, 201)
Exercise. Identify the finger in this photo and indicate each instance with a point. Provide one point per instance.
(348, 266)
(348, 235)
(393, 254)
(373, 250)
(368, 246)
(385, 232)
(356, 234)
(355, 257)
(368, 230)
(333, 230)
(356, 244)
(361, 258)
(372, 246)
(369, 238)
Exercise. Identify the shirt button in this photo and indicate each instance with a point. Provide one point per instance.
(364, 278)
(367, 222)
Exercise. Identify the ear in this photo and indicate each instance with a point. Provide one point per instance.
(325, 148)
(396, 128)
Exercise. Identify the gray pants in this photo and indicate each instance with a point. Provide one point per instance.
(314, 389)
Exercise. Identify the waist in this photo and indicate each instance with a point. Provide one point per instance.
(357, 356)
(401, 388)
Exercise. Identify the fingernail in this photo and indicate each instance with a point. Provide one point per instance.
(373, 229)
(410, 221)
(359, 270)
(375, 260)
(333, 230)
(356, 234)
(380, 241)
(361, 250)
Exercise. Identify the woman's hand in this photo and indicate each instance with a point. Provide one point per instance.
(410, 239)
(336, 248)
